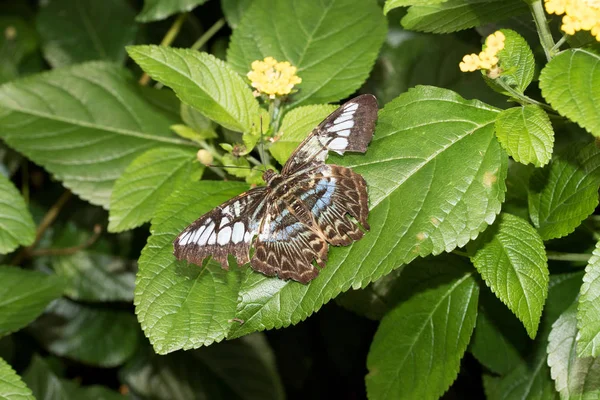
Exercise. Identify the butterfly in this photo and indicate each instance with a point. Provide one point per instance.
(291, 221)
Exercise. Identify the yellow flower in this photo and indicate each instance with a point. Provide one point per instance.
(487, 59)
(579, 15)
(272, 77)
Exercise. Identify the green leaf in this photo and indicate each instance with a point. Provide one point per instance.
(574, 377)
(517, 63)
(16, 225)
(181, 305)
(148, 180)
(426, 335)
(11, 385)
(155, 10)
(44, 384)
(234, 10)
(296, 125)
(391, 4)
(565, 192)
(588, 311)
(499, 339)
(334, 53)
(85, 144)
(568, 83)
(198, 122)
(526, 134)
(24, 295)
(74, 32)
(202, 81)
(232, 161)
(456, 15)
(91, 335)
(239, 369)
(511, 258)
(188, 133)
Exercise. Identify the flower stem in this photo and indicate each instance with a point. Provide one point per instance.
(521, 97)
(167, 40)
(546, 39)
(558, 256)
(208, 34)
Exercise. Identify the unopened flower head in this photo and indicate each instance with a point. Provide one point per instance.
(273, 78)
(487, 59)
(578, 15)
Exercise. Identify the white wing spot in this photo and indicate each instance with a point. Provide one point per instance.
(238, 232)
(338, 143)
(247, 237)
(343, 118)
(204, 237)
(351, 107)
(195, 235)
(342, 126)
(345, 133)
(183, 239)
(224, 222)
(213, 238)
(224, 236)
(236, 207)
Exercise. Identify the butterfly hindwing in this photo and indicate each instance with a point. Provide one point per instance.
(227, 229)
(349, 128)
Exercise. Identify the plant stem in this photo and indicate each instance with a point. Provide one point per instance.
(43, 226)
(560, 42)
(25, 179)
(558, 256)
(69, 250)
(546, 39)
(167, 40)
(521, 97)
(208, 34)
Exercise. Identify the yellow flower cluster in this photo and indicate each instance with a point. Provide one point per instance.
(580, 15)
(273, 78)
(487, 59)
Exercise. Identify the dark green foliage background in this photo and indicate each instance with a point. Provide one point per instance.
(479, 277)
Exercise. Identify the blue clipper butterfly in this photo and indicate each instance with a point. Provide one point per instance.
(290, 221)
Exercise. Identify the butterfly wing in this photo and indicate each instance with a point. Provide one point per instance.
(349, 128)
(286, 247)
(227, 229)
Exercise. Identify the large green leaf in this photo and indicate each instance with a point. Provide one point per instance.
(11, 385)
(296, 125)
(160, 9)
(76, 31)
(333, 49)
(456, 15)
(569, 83)
(391, 4)
(499, 339)
(234, 10)
(574, 377)
(146, 182)
(241, 369)
(588, 312)
(436, 179)
(16, 225)
(418, 346)
(511, 258)
(92, 335)
(84, 124)
(24, 295)
(202, 81)
(565, 192)
(526, 134)
(181, 305)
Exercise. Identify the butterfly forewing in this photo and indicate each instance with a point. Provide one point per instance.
(349, 128)
(227, 229)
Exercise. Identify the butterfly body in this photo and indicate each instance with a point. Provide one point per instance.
(291, 221)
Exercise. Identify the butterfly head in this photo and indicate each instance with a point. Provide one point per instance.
(269, 175)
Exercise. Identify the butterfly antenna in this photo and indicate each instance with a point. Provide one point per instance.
(261, 149)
